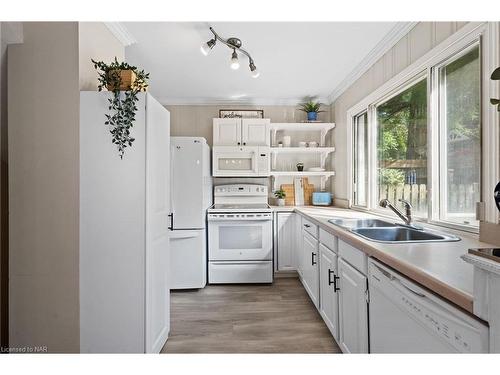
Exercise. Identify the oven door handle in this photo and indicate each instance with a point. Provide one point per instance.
(233, 262)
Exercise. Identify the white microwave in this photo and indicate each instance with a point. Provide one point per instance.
(242, 161)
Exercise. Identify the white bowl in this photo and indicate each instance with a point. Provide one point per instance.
(316, 169)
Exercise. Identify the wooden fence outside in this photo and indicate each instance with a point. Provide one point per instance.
(461, 197)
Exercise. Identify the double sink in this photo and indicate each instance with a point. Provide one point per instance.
(386, 232)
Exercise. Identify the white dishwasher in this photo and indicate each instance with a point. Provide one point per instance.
(405, 318)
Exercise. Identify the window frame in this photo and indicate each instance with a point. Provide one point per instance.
(437, 163)
(355, 148)
(486, 34)
(419, 77)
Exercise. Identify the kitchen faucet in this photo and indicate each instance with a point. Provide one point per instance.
(407, 205)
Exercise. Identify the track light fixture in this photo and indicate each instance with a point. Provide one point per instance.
(235, 45)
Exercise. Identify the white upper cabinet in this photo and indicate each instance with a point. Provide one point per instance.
(255, 132)
(227, 132)
(241, 132)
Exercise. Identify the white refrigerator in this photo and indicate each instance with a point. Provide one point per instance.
(191, 195)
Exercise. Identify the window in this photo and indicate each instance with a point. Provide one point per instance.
(402, 148)
(424, 133)
(361, 160)
(460, 122)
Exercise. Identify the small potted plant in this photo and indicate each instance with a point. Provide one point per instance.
(300, 167)
(312, 109)
(125, 82)
(280, 197)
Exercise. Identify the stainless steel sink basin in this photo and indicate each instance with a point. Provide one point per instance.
(403, 234)
(361, 223)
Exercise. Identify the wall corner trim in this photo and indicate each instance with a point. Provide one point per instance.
(389, 40)
(121, 33)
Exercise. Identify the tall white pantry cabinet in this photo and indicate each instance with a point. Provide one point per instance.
(124, 239)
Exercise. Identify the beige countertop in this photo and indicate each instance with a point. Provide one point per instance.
(435, 265)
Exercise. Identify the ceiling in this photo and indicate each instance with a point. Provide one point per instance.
(295, 59)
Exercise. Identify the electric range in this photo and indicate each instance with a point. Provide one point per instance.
(240, 235)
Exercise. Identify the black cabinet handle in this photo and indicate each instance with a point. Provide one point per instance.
(244, 143)
(171, 216)
(335, 278)
(312, 259)
(239, 143)
(330, 273)
(307, 225)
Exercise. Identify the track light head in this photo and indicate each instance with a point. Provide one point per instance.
(253, 69)
(235, 63)
(207, 47)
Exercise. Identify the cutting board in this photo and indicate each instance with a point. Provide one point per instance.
(308, 192)
(290, 192)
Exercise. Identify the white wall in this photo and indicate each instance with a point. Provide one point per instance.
(422, 38)
(98, 43)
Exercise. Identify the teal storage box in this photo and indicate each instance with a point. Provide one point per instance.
(321, 198)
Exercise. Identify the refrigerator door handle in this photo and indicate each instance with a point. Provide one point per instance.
(171, 216)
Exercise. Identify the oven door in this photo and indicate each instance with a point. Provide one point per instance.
(230, 161)
(247, 237)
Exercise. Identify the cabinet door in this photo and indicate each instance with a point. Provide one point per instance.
(227, 131)
(311, 272)
(286, 241)
(255, 132)
(329, 306)
(299, 244)
(353, 309)
(157, 236)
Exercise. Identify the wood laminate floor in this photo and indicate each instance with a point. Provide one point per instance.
(277, 318)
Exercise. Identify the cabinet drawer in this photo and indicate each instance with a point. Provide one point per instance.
(327, 239)
(353, 256)
(310, 228)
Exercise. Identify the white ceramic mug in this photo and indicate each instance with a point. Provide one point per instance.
(312, 144)
(302, 144)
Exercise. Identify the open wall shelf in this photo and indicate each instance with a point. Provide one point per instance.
(325, 175)
(323, 127)
(322, 151)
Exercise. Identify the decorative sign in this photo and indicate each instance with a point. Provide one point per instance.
(241, 113)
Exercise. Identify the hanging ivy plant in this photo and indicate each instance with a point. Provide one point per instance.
(125, 81)
(495, 76)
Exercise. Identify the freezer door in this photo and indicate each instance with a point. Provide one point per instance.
(188, 259)
(187, 161)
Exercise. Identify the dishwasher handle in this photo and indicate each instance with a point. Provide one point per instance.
(394, 278)
(410, 289)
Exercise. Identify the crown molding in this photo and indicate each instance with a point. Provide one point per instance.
(243, 102)
(121, 33)
(389, 40)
